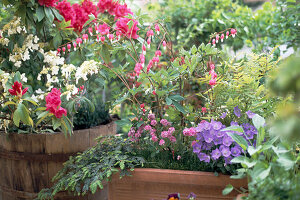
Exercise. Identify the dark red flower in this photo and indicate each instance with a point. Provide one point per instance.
(122, 26)
(53, 103)
(107, 5)
(17, 89)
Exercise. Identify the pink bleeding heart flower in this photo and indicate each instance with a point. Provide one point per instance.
(222, 37)
(79, 41)
(69, 47)
(233, 32)
(158, 53)
(157, 29)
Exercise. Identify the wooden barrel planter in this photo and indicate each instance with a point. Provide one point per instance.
(29, 161)
(156, 184)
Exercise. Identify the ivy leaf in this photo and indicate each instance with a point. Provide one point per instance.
(227, 189)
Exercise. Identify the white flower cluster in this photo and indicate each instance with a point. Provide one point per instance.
(22, 54)
(87, 68)
(3, 79)
(13, 27)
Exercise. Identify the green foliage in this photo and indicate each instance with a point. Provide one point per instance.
(85, 118)
(266, 163)
(90, 170)
(193, 22)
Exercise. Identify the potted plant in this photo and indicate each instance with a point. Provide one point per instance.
(158, 132)
(35, 140)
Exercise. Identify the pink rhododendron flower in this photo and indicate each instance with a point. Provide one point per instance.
(122, 26)
(80, 17)
(122, 10)
(161, 142)
(65, 9)
(47, 3)
(17, 89)
(107, 5)
(53, 103)
(103, 29)
(89, 7)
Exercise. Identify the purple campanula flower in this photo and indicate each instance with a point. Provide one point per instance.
(233, 123)
(197, 147)
(224, 114)
(227, 141)
(235, 151)
(216, 125)
(208, 137)
(220, 134)
(201, 156)
(208, 146)
(249, 134)
(206, 125)
(192, 196)
(228, 160)
(199, 137)
(225, 152)
(237, 112)
(207, 158)
(218, 140)
(215, 154)
(250, 114)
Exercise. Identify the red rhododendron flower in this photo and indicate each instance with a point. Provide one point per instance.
(122, 10)
(17, 89)
(107, 5)
(122, 26)
(47, 3)
(53, 103)
(66, 10)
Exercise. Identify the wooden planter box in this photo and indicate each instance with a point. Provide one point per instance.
(156, 184)
(29, 161)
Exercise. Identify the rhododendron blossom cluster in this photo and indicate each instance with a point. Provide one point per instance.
(17, 89)
(47, 3)
(53, 103)
(79, 13)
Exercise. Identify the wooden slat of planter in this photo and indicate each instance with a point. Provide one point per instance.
(156, 184)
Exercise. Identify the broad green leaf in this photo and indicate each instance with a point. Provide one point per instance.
(57, 40)
(56, 123)
(91, 18)
(176, 97)
(9, 103)
(168, 101)
(258, 121)
(57, 15)
(179, 107)
(16, 118)
(40, 13)
(30, 100)
(234, 128)
(227, 189)
(287, 160)
(260, 171)
(238, 139)
(105, 54)
(252, 150)
(49, 14)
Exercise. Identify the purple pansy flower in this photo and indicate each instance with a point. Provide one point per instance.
(237, 111)
(250, 114)
(192, 196)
